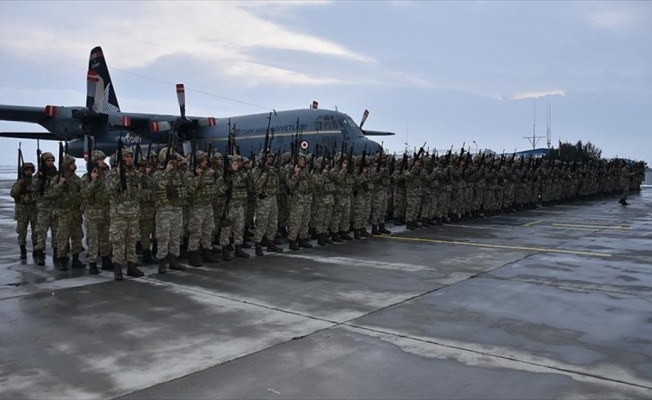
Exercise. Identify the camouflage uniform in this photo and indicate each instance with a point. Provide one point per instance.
(625, 180)
(413, 186)
(341, 218)
(379, 200)
(324, 200)
(218, 204)
(283, 199)
(147, 220)
(300, 186)
(25, 213)
(235, 213)
(202, 191)
(124, 210)
(398, 179)
(171, 197)
(358, 212)
(267, 183)
(67, 199)
(96, 215)
(46, 219)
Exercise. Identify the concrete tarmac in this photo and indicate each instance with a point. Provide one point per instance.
(541, 304)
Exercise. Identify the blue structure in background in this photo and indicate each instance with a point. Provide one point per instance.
(542, 152)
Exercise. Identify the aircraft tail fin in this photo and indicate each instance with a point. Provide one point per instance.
(104, 99)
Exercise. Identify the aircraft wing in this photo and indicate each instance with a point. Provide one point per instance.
(31, 135)
(367, 132)
(21, 113)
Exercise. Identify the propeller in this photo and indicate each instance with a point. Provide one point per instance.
(365, 114)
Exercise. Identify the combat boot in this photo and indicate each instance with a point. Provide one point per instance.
(327, 239)
(425, 223)
(154, 248)
(61, 263)
(117, 272)
(147, 257)
(399, 222)
(356, 234)
(92, 268)
(305, 244)
(209, 257)
(384, 230)
(272, 247)
(336, 238)
(183, 250)
(162, 266)
(293, 245)
(374, 230)
(225, 254)
(345, 235)
(320, 240)
(132, 270)
(23, 252)
(76, 263)
(245, 245)
(313, 234)
(239, 252)
(40, 257)
(175, 264)
(259, 249)
(107, 264)
(364, 233)
(409, 226)
(194, 259)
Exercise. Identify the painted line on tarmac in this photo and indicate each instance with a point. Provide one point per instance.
(532, 223)
(617, 227)
(500, 246)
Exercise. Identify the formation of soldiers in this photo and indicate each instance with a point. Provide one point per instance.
(208, 207)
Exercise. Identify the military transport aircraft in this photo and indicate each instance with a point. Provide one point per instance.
(104, 122)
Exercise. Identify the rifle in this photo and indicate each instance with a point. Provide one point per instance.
(41, 168)
(61, 164)
(351, 159)
(392, 165)
(364, 157)
(138, 156)
(121, 165)
(380, 156)
(90, 164)
(20, 162)
(193, 156)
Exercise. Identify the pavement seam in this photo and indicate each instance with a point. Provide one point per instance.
(214, 294)
(498, 356)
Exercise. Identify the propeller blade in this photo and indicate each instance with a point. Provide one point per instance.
(365, 114)
(92, 78)
(181, 96)
(315, 105)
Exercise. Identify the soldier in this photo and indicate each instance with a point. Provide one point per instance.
(203, 186)
(267, 183)
(125, 207)
(344, 181)
(46, 218)
(171, 196)
(217, 162)
(93, 191)
(235, 209)
(147, 222)
(625, 177)
(65, 191)
(300, 185)
(379, 198)
(25, 212)
(324, 199)
(413, 190)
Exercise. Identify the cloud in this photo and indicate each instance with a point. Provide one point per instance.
(224, 34)
(534, 95)
(616, 18)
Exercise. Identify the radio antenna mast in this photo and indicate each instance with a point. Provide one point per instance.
(534, 139)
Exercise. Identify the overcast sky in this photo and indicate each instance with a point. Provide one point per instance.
(438, 72)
